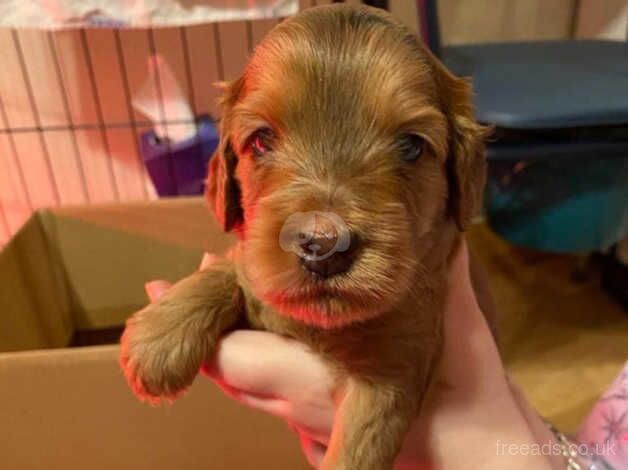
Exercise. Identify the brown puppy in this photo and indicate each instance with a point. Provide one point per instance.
(349, 163)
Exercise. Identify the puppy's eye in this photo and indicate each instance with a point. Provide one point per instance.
(261, 141)
(410, 147)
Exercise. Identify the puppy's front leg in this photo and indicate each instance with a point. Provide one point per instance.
(164, 345)
(372, 422)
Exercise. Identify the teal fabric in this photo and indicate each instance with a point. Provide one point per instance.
(560, 206)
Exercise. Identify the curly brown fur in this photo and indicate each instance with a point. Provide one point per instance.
(335, 87)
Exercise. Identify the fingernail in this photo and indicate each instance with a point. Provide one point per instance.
(314, 452)
(156, 289)
(207, 261)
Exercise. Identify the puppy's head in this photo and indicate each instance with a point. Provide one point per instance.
(346, 149)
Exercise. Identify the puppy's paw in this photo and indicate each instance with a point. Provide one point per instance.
(160, 357)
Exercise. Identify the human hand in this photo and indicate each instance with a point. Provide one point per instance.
(469, 410)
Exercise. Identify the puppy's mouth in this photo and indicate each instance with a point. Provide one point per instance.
(323, 306)
(318, 292)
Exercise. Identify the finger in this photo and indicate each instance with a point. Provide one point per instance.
(207, 261)
(275, 406)
(460, 287)
(307, 433)
(470, 359)
(314, 451)
(155, 289)
(281, 408)
(303, 420)
(276, 375)
(266, 364)
(315, 422)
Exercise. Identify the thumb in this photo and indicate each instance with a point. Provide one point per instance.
(470, 358)
(460, 291)
(156, 289)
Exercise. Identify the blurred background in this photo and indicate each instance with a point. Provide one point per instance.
(70, 134)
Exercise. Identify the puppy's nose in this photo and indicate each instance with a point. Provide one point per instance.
(327, 253)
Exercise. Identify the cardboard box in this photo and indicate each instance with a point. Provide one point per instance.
(78, 273)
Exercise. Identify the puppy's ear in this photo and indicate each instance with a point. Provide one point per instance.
(466, 162)
(222, 189)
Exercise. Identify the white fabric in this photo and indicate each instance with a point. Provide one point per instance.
(137, 13)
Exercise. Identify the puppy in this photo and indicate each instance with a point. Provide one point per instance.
(348, 165)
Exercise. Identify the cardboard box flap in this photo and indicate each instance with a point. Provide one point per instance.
(34, 297)
(84, 268)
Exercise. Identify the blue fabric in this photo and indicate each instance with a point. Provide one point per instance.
(559, 205)
(547, 150)
(543, 85)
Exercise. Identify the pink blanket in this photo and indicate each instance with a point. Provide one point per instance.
(605, 431)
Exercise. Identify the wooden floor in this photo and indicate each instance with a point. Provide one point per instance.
(563, 341)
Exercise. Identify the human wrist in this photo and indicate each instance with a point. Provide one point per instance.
(472, 435)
